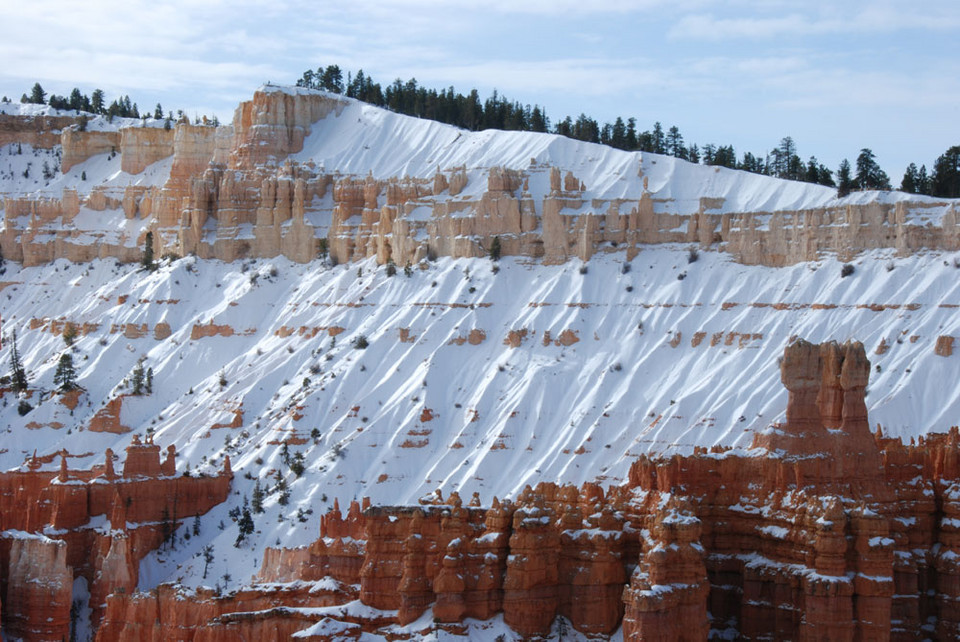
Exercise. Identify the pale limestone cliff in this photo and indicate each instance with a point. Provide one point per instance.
(234, 191)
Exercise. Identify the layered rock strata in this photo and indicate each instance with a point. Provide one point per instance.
(48, 538)
(235, 191)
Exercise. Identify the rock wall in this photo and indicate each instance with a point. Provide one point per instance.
(39, 586)
(264, 204)
(822, 530)
(78, 145)
(37, 131)
(143, 507)
(143, 146)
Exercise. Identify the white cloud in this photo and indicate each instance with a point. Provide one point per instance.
(871, 19)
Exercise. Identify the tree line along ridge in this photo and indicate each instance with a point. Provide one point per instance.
(467, 111)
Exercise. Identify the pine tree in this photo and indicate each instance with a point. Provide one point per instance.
(869, 175)
(945, 181)
(256, 501)
(76, 100)
(495, 249)
(618, 136)
(18, 375)
(659, 140)
(149, 381)
(97, 99)
(910, 178)
(245, 526)
(65, 377)
(631, 142)
(37, 95)
(675, 145)
(844, 179)
(297, 465)
(207, 558)
(147, 259)
(158, 112)
(137, 378)
(923, 181)
(281, 488)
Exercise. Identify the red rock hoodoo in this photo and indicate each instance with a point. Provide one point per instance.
(821, 530)
(45, 547)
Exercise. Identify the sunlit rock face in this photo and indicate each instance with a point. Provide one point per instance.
(300, 173)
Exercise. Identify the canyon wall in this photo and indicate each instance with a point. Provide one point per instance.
(48, 536)
(821, 530)
(234, 192)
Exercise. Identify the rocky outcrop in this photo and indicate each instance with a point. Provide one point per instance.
(667, 594)
(53, 540)
(78, 145)
(240, 181)
(144, 146)
(821, 530)
(36, 131)
(39, 586)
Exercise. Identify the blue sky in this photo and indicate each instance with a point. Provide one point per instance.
(836, 76)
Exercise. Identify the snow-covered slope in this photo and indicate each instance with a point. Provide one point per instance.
(476, 377)
(365, 140)
(436, 411)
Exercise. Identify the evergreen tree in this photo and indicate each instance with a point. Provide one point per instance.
(256, 501)
(725, 156)
(331, 79)
(538, 120)
(207, 558)
(618, 135)
(825, 176)
(158, 112)
(659, 140)
(910, 179)
(709, 150)
(495, 249)
(785, 163)
(283, 497)
(65, 378)
(869, 175)
(97, 99)
(18, 375)
(37, 95)
(148, 384)
(631, 142)
(137, 378)
(297, 464)
(844, 179)
(675, 143)
(945, 181)
(147, 259)
(923, 181)
(77, 100)
(245, 526)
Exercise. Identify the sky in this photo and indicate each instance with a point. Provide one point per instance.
(835, 76)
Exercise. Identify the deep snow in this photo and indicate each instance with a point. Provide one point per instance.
(502, 417)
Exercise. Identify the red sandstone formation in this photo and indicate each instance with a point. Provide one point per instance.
(37, 571)
(38, 584)
(821, 531)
